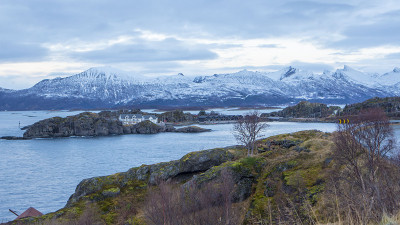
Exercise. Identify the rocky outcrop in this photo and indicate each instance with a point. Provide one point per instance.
(191, 129)
(87, 124)
(145, 127)
(242, 176)
(190, 164)
(83, 124)
(178, 116)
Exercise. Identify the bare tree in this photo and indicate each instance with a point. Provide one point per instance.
(248, 129)
(366, 178)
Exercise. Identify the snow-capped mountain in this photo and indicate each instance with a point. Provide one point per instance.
(390, 79)
(106, 87)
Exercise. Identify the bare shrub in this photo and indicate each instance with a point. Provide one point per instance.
(248, 129)
(366, 181)
(211, 204)
(90, 216)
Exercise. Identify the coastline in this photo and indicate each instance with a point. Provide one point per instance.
(199, 167)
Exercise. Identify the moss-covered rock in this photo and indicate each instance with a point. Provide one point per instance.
(111, 192)
(291, 181)
(190, 164)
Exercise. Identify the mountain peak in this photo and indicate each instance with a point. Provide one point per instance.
(396, 70)
(347, 68)
(288, 71)
(108, 72)
(327, 72)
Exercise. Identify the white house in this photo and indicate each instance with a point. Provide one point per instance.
(130, 119)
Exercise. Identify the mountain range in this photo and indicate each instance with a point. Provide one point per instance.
(106, 87)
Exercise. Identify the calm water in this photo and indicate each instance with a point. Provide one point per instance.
(43, 173)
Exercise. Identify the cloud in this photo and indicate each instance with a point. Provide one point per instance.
(268, 46)
(20, 52)
(395, 56)
(314, 67)
(166, 50)
(383, 29)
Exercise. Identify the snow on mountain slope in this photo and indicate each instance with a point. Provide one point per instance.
(109, 87)
(391, 78)
(291, 74)
(356, 76)
(103, 83)
(4, 90)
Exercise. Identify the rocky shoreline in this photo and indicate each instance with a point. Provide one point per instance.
(14, 138)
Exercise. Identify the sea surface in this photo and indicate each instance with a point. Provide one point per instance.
(43, 173)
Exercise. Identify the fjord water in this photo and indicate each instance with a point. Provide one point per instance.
(43, 173)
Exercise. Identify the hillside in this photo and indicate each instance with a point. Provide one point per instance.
(390, 105)
(306, 109)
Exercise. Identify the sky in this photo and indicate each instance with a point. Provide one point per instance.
(44, 39)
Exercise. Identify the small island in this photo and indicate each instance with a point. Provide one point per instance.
(103, 124)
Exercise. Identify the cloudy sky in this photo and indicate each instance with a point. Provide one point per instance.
(48, 38)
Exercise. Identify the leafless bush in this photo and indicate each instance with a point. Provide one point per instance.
(90, 216)
(248, 129)
(170, 204)
(366, 182)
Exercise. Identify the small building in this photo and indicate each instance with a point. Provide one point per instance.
(130, 119)
(152, 118)
(31, 212)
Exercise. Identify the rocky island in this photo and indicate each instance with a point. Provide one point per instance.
(97, 124)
